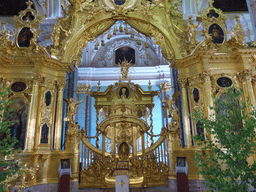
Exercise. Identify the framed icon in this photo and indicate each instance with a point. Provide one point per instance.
(181, 161)
(65, 164)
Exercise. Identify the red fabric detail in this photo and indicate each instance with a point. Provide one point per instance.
(64, 183)
(182, 182)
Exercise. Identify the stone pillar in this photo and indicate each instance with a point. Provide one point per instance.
(183, 83)
(58, 125)
(246, 80)
(122, 180)
(32, 114)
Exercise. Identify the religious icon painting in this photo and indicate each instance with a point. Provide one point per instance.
(212, 13)
(44, 133)
(125, 53)
(65, 164)
(24, 37)
(18, 87)
(124, 91)
(48, 97)
(181, 161)
(196, 95)
(224, 82)
(217, 33)
(28, 17)
(119, 2)
(19, 115)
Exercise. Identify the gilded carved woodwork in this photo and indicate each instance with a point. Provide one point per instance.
(122, 107)
(85, 21)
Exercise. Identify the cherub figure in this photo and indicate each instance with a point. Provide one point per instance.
(72, 108)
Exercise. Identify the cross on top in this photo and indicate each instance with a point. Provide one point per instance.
(122, 183)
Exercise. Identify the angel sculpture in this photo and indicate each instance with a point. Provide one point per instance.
(5, 34)
(170, 104)
(72, 108)
(173, 111)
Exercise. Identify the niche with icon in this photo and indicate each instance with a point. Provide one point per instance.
(44, 134)
(25, 37)
(217, 33)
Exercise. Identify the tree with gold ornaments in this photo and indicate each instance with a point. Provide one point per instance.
(228, 145)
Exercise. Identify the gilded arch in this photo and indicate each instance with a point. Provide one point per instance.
(86, 21)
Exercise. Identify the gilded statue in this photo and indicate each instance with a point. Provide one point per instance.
(238, 32)
(125, 65)
(5, 34)
(171, 103)
(56, 34)
(72, 108)
(123, 151)
(192, 31)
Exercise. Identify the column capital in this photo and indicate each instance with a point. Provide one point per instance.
(192, 80)
(245, 75)
(83, 88)
(61, 84)
(37, 78)
(183, 82)
(205, 76)
(48, 84)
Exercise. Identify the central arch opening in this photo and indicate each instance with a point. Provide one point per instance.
(99, 63)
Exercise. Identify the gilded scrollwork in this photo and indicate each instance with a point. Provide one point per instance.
(106, 14)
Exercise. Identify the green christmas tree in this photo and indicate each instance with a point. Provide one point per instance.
(223, 160)
(8, 166)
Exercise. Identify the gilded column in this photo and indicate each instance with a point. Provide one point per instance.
(192, 84)
(205, 76)
(134, 142)
(113, 143)
(103, 145)
(32, 115)
(143, 145)
(58, 125)
(246, 79)
(183, 83)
